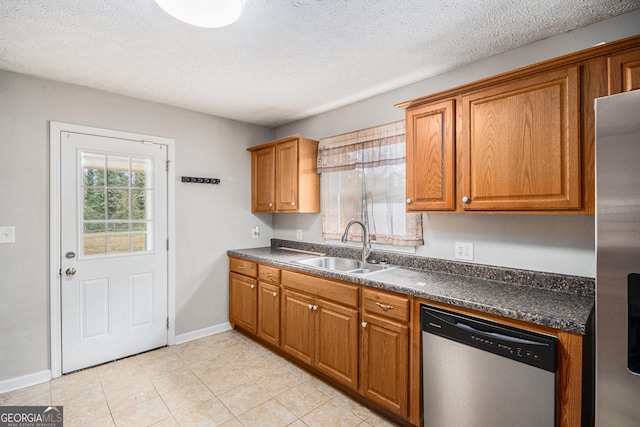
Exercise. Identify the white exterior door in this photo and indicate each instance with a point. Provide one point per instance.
(113, 248)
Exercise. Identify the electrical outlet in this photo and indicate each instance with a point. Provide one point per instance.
(464, 251)
(299, 234)
(255, 232)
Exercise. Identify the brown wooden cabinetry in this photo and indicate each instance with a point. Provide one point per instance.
(269, 304)
(243, 294)
(520, 144)
(284, 177)
(384, 368)
(430, 150)
(319, 325)
(523, 141)
(624, 71)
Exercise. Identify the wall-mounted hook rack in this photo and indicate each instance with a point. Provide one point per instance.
(200, 180)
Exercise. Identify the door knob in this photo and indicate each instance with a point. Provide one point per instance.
(70, 272)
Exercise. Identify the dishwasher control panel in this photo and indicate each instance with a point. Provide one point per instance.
(524, 346)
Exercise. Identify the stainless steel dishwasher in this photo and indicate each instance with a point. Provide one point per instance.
(477, 373)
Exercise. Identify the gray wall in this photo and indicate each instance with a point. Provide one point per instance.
(562, 244)
(209, 219)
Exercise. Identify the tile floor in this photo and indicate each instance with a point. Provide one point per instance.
(221, 380)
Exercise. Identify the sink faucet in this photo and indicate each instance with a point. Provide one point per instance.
(366, 243)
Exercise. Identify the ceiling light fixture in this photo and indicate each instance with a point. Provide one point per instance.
(203, 13)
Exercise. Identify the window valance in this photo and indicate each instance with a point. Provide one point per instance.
(367, 148)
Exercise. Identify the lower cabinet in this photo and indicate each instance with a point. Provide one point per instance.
(269, 313)
(243, 302)
(384, 371)
(322, 334)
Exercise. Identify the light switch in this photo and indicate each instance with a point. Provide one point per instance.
(7, 234)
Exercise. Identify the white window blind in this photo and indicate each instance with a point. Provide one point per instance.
(363, 178)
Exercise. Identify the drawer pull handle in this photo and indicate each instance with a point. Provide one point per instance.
(241, 267)
(267, 274)
(275, 294)
(384, 306)
(364, 324)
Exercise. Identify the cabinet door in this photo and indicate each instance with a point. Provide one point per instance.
(287, 176)
(269, 313)
(297, 325)
(624, 71)
(336, 342)
(521, 144)
(263, 167)
(385, 363)
(243, 300)
(430, 151)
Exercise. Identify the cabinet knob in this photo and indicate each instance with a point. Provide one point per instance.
(364, 324)
(315, 307)
(465, 199)
(275, 294)
(409, 201)
(310, 306)
(253, 286)
(270, 205)
(293, 203)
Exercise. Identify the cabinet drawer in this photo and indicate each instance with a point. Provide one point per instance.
(325, 288)
(241, 266)
(268, 274)
(385, 304)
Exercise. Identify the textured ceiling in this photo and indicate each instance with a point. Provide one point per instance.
(284, 59)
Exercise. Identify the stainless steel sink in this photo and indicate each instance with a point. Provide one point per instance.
(345, 265)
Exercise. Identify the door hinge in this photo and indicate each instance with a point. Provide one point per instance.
(167, 323)
(167, 244)
(167, 165)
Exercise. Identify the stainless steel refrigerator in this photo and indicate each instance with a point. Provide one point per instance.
(617, 318)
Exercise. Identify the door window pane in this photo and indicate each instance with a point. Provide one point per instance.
(116, 212)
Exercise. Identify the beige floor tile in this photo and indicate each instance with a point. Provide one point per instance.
(144, 413)
(269, 414)
(241, 399)
(186, 397)
(114, 379)
(302, 399)
(323, 387)
(167, 422)
(232, 423)
(83, 409)
(209, 413)
(36, 395)
(376, 420)
(106, 421)
(260, 368)
(298, 423)
(278, 381)
(352, 406)
(79, 384)
(223, 381)
(129, 395)
(168, 381)
(331, 414)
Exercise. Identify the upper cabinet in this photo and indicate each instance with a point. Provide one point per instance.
(624, 71)
(519, 142)
(284, 177)
(431, 158)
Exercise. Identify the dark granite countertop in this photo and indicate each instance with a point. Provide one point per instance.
(567, 309)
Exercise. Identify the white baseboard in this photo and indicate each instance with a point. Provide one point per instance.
(24, 381)
(204, 332)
